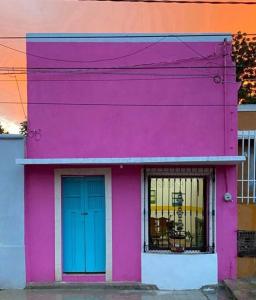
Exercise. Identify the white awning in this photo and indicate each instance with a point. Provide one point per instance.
(188, 160)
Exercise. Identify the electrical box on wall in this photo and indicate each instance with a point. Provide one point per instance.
(227, 197)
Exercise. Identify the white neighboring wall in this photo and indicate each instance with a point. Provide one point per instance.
(12, 256)
(179, 271)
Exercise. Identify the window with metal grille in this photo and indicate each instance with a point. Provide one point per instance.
(247, 170)
(246, 243)
(179, 215)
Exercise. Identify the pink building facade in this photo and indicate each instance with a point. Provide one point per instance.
(152, 116)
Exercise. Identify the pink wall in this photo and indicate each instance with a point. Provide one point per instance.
(126, 226)
(188, 121)
(126, 210)
(226, 223)
(184, 116)
(39, 224)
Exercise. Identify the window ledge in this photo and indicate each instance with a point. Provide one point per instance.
(177, 253)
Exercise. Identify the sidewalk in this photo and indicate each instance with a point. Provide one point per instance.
(110, 294)
(68, 294)
(242, 289)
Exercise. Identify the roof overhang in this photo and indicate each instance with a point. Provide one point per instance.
(191, 160)
(8, 136)
(127, 37)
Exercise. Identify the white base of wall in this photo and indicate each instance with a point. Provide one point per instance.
(12, 267)
(179, 271)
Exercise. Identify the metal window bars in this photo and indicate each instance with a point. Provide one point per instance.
(246, 192)
(178, 214)
(246, 243)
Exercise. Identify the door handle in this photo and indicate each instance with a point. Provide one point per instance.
(84, 214)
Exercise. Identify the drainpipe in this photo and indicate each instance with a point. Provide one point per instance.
(224, 108)
(224, 91)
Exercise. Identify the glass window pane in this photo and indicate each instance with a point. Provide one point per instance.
(177, 213)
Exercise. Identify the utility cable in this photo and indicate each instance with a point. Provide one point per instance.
(102, 59)
(20, 97)
(198, 2)
(87, 61)
(117, 36)
(116, 104)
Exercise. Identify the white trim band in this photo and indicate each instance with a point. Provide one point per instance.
(190, 160)
(246, 107)
(246, 134)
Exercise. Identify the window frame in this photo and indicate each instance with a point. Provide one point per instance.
(208, 175)
(246, 171)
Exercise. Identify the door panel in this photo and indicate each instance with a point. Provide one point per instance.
(84, 246)
(73, 225)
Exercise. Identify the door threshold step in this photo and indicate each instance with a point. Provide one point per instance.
(93, 285)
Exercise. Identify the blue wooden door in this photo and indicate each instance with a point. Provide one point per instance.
(73, 224)
(95, 224)
(83, 224)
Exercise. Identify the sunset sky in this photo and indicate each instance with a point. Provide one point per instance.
(18, 17)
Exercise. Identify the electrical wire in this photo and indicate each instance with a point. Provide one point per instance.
(116, 104)
(148, 75)
(191, 48)
(114, 58)
(118, 36)
(180, 2)
(146, 66)
(112, 80)
(115, 76)
(55, 70)
(20, 97)
(102, 59)
(87, 61)
(158, 63)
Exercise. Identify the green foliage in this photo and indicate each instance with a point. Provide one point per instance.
(2, 130)
(244, 55)
(24, 128)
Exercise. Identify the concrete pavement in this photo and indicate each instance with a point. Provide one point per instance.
(242, 289)
(77, 294)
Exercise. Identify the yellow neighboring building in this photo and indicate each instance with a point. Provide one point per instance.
(247, 192)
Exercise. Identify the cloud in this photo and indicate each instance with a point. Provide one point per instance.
(10, 126)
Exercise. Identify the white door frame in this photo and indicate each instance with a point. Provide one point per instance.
(58, 173)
